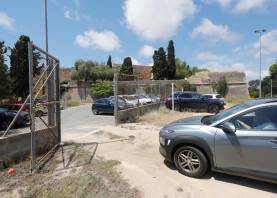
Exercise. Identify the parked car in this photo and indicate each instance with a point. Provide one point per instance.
(193, 100)
(124, 101)
(106, 105)
(143, 99)
(215, 96)
(40, 108)
(154, 99)
(131, 99)
(6, 117)
(241, 140)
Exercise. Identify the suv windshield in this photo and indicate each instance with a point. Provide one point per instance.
(223, 114)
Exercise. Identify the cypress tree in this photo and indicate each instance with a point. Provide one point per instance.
(171, 67)
(109, 62)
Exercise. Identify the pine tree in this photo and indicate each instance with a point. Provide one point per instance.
(109, 62)
(159, 68)
(19, 70)
(171, 69)
(4, 76)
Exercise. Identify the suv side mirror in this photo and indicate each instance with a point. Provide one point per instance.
(228, 127)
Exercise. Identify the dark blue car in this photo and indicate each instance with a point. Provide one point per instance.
(6, 117)
(106, 105)
(194, 101)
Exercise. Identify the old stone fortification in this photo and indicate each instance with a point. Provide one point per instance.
(236, 83)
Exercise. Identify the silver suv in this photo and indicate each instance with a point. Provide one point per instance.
(241, 140)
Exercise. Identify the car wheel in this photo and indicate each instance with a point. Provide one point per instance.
(4, 125)
(39, 113)
(95, 112)
(213, 109)
(190, 161)
(177, 107)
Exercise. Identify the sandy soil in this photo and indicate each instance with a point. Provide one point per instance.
(136, 147)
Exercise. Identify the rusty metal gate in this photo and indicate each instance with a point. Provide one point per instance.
(43, 103)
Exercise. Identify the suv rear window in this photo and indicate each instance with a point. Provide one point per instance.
(218, 96)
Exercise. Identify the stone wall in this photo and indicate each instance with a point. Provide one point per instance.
(77, 92)
(16, 147)
(131, 115)
(236, 83)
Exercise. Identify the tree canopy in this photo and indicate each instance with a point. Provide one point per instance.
(90, 71)
(273, 71)
(4, 75)
(19, 67)
(159, 68)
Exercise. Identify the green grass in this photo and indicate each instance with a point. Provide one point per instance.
(235, 101)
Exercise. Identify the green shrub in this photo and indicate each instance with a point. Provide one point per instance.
(73, 103)
(221, 87)
(101, 89)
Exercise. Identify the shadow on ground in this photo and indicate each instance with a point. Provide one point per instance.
(250, 183)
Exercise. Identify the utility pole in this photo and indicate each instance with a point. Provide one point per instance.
(260, 35)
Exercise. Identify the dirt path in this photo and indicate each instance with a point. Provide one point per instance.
(136, 147)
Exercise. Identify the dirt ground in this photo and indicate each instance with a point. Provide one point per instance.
(136, 147)
(80, 174)
(123, 161)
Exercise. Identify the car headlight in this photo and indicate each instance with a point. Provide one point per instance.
(162, 141)
(166, 131)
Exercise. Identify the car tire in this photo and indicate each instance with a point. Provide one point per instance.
(4, 125)
(39, 113)
(95, 112)
(213, 109)
(190, 161)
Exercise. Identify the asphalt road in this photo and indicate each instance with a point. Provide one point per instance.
(81, 120)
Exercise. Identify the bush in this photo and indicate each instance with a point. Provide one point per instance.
(101, 89)
(73, 103)
(221, 87)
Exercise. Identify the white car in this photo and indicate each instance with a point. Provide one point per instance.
(215, 96)
(132, 99)
(143, 99)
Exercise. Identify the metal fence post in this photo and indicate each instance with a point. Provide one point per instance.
(137, 92)
(32, 127)
(58, 104)
(116, 97)
(172, 96)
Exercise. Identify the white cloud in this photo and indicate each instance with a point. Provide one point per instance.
(71, 14)
(74, 12)
(106, 40)
(157, 19)
(6, 21)
(208, 30)
(222, 3)
(135, 61)
(147, 50)
(243, 6)
(269, 43)
(208, 56)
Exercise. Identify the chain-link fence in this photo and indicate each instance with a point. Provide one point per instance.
(134, 97)
(33, 124)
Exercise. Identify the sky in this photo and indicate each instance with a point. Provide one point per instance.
(215, 34)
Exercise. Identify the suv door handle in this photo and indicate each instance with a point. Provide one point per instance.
(274, 141)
